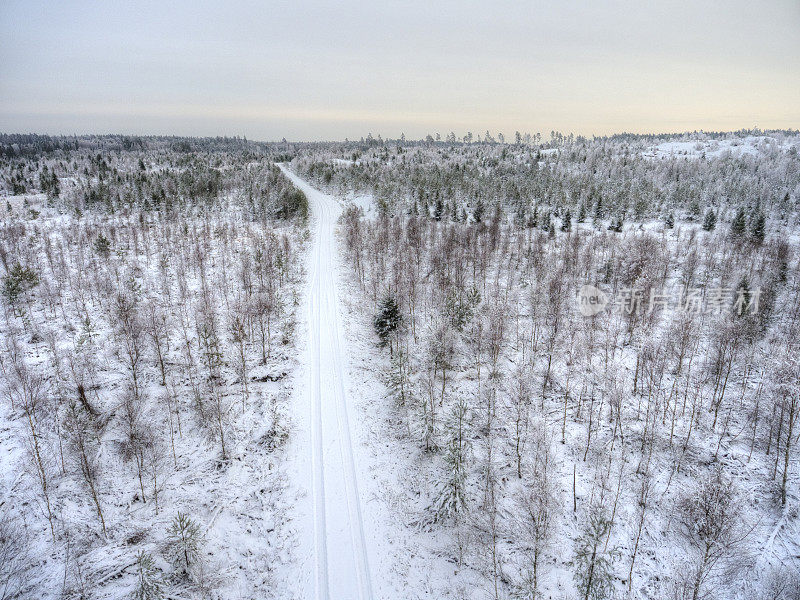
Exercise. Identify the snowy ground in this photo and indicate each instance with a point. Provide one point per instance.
(750, 145)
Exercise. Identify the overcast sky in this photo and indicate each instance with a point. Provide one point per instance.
(330, 70)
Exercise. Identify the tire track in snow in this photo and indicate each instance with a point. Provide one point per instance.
(342, 564)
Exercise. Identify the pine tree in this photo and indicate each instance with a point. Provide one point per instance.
(388, 320)
(452, 497)
(582, 212)
(533, 221)
(566, 224)
(669, 221)
(758, 228)
(593, 562)
(739, 225)
(438, 210)
(398, 380)
(184, 540)
(742, 298)
(598, 209)
(18, 281)
(148, 583)
(710, 220)
(477, 213)
(102, 246)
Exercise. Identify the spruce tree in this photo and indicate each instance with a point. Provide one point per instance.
(566, 224)
(710, 220)
(758, 228)
(387, 321)
(102, 246)
(438, 210)
(533, 220)
(452, 497)
(477, 213)
(739, 225)
(598, 209)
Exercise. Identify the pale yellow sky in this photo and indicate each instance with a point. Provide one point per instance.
(314, 70)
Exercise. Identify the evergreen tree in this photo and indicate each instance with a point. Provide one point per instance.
(148, 583)
(438, 209)
(184, 541)
(739, 225)
(593, 562)
(694, 210)
(669, 221)
(710, 220)
(477, 213)
(45, 181)
(18, 281)
(758, 228)
(742, 298)
(388, 321)
(102, 246)
(566, 223)
(452, 497)
(55, 186)
(533, 221)
(519, 216)
(398, 380)
(598, 209)
(582, 212)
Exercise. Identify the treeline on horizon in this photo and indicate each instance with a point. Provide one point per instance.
(28, 144)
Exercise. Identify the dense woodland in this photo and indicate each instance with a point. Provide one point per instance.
(620, 177)
(148, 342)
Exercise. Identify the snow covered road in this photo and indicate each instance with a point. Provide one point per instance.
(340, 552)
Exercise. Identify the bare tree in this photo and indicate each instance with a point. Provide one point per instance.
(14, 554)
(710, 518)
(537, 514)
(84, 442)
(519, 397)
(27, 390)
